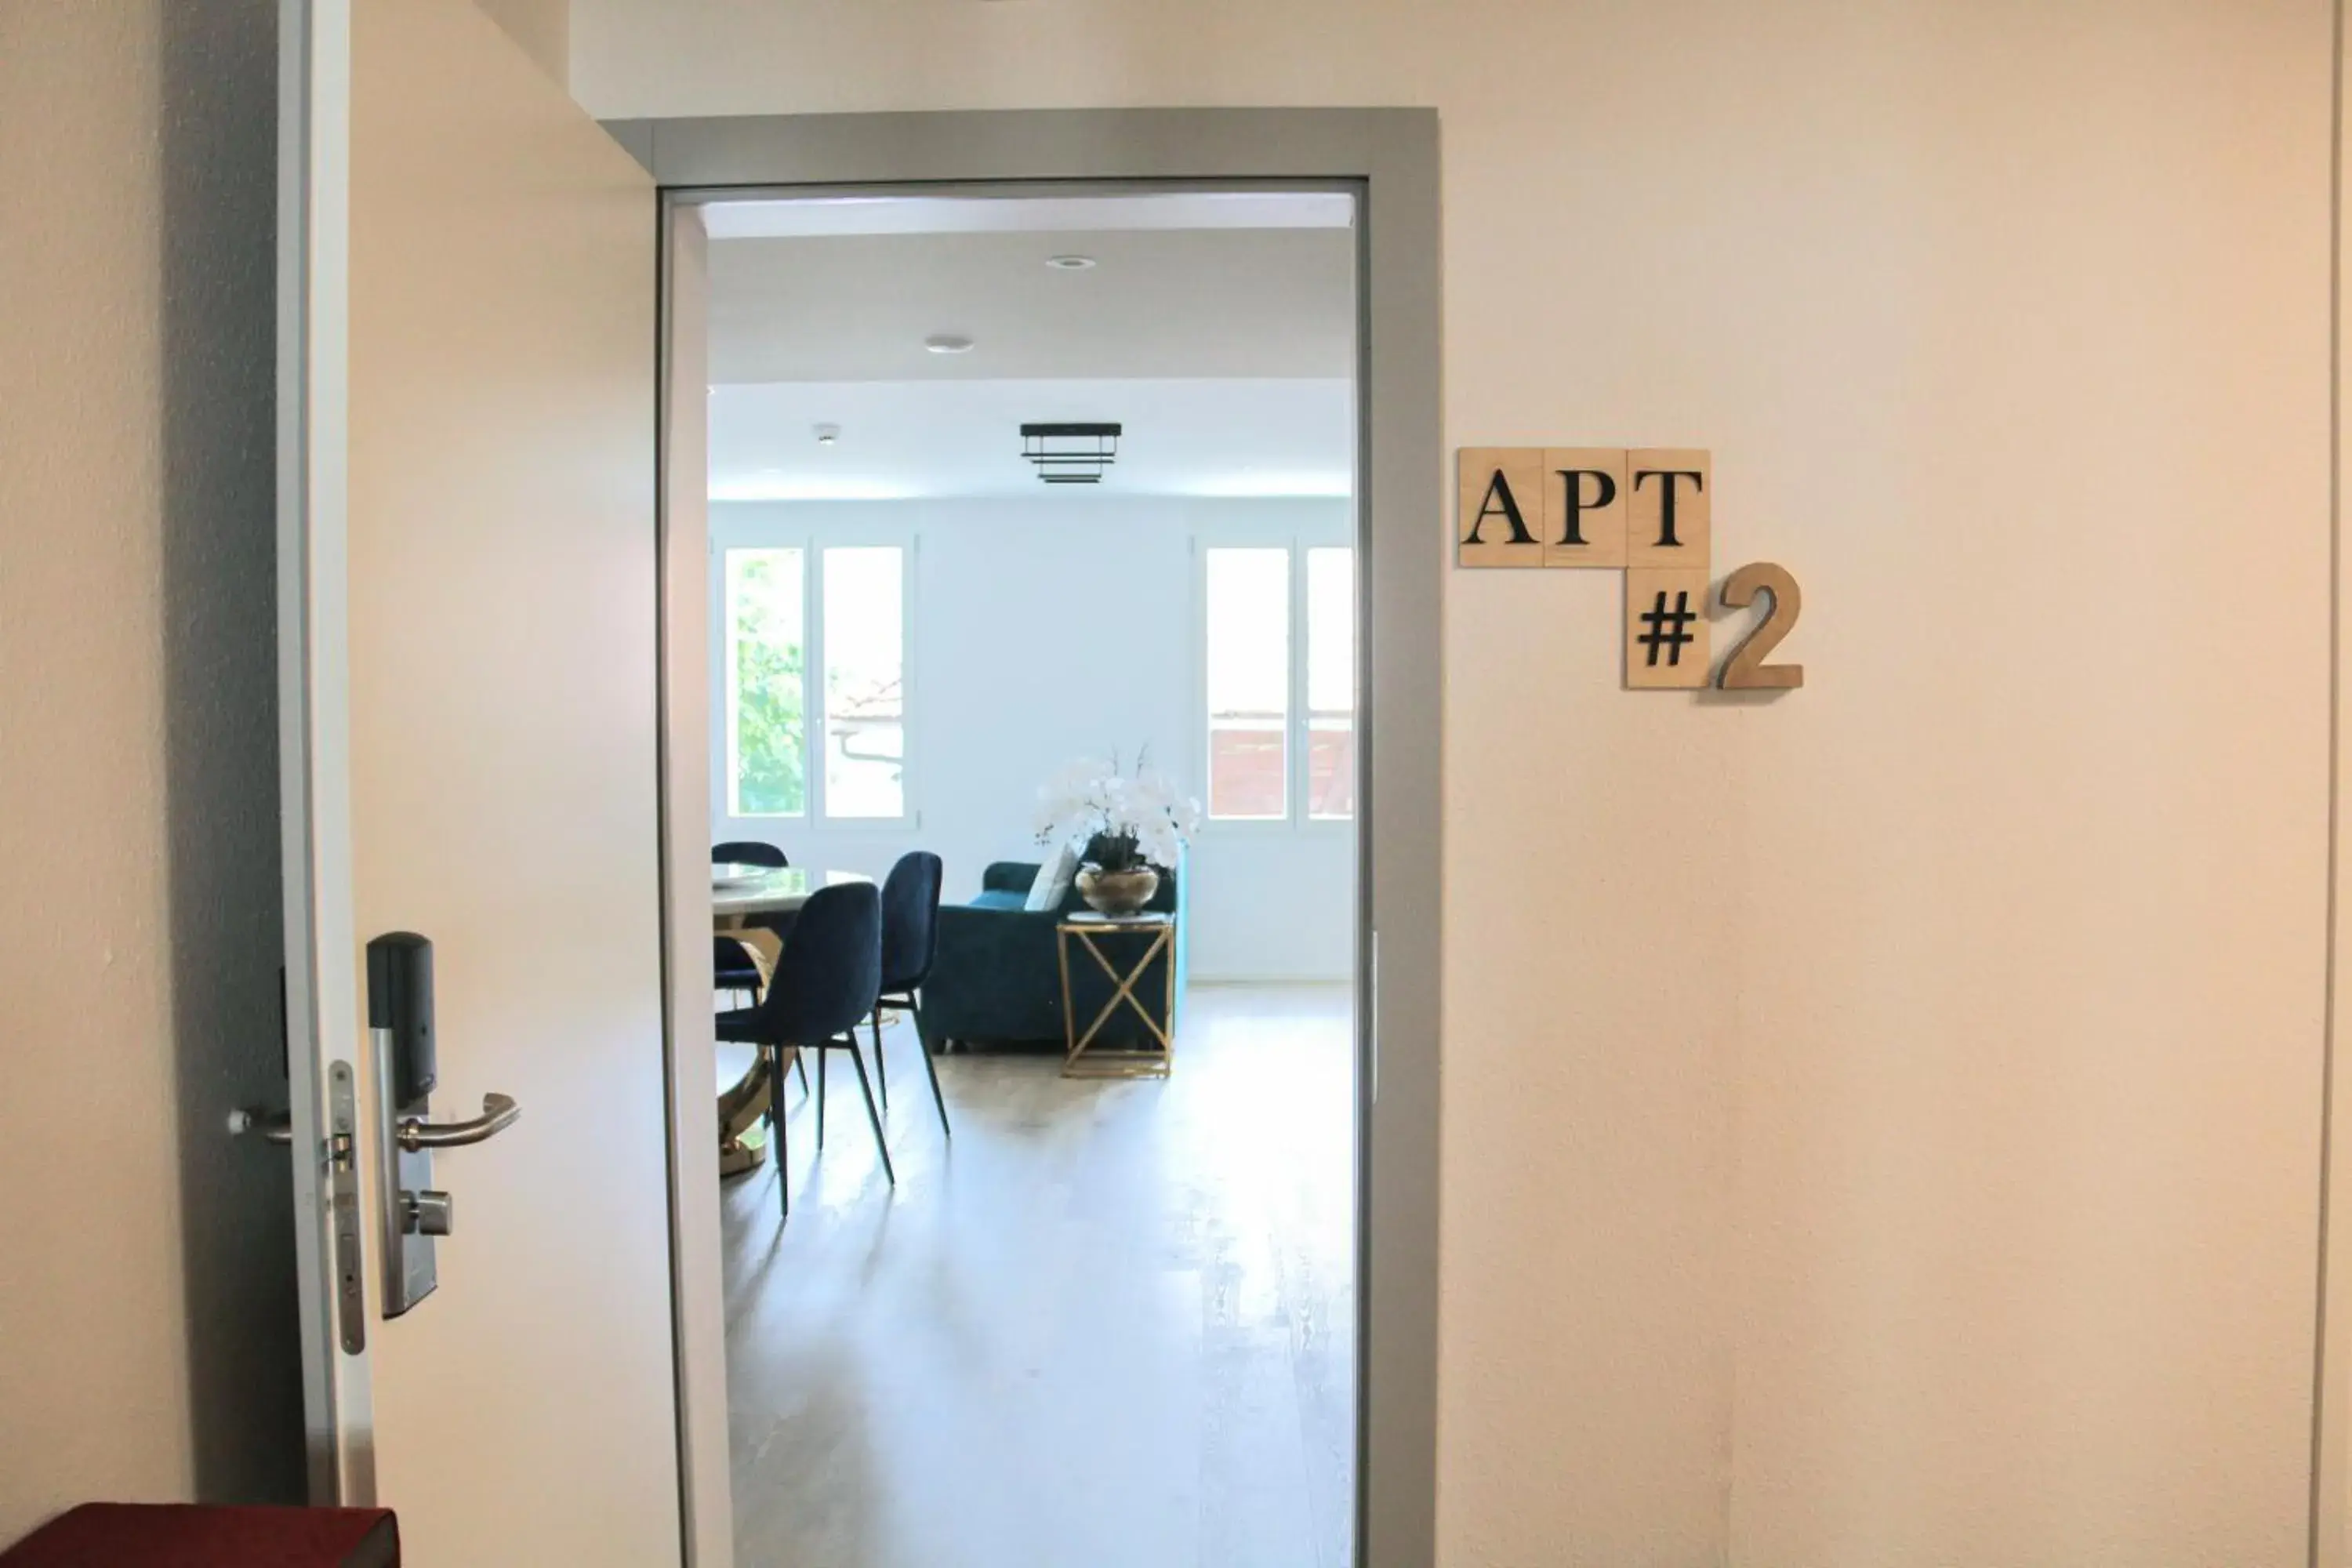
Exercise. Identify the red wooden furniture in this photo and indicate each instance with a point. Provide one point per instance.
(179, 1535)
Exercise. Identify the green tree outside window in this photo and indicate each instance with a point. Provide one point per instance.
(764, 609)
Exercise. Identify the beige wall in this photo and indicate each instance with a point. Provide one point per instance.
(146, 1271)
(1882, 1124)
(543, 28)
(1889, 1138)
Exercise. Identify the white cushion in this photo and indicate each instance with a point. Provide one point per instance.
(1053, 883)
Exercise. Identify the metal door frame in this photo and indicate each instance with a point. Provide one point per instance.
(1388, 158)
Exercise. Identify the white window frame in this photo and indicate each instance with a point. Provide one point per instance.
(766, 530)
(1298, 541)
(1302, 770)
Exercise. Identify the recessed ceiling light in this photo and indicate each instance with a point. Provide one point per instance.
(1070, 263)
(948, 343)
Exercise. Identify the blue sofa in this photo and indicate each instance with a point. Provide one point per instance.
(997, 980)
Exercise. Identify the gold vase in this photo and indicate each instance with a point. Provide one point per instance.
(1118, 892)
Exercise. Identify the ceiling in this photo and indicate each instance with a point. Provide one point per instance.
(938, 439)
(984, 213)
(1228, 351)
(1216, 302)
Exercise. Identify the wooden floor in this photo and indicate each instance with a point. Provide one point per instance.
(1110, 1326)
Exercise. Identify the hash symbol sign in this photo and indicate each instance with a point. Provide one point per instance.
(1667, 629)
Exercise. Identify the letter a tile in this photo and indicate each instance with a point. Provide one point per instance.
(1585, 506)
(1665, 629)
(1501, 521)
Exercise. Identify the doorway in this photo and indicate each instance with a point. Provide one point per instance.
(1384, 163)
(1087, 553)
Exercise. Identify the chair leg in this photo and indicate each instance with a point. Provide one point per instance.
(881, 1068)
(923, 1046)
(873, 1116)
(776, 1056)
(821, 1054)
(800, 1066)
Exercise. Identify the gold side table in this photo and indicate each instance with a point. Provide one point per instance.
(1087, 1059)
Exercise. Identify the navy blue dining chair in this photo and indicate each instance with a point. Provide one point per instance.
(910, 940)
(748, 852)
(752, 852)
(825, 984)
(732, 969)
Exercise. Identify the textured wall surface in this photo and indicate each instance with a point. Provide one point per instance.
(147, 1323)
(1881, 1123)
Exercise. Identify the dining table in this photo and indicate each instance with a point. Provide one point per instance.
(739, 893)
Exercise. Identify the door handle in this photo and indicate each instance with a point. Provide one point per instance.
(499, 1112)
(274, 1126)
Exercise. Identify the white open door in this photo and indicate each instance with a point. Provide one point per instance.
(467, 587)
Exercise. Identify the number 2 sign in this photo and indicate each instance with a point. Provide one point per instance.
(1647, 512)
(1746, 670)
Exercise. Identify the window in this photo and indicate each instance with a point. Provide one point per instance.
(1282, 709)
(865, 683)
(1331, 684)
(1249, 642)
(766, 774)
(854, 622)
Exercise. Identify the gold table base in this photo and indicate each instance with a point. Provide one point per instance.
(743, 1140)
(743, 1110)
(1084, 1058)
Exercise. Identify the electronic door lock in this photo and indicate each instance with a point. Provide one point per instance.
(410, 1210)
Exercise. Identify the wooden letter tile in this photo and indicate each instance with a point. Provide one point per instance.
(1665, 628)
(1669, 508)
(1585, 506)
(1501, 521)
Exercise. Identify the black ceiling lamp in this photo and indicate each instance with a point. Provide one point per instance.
(1070, 454)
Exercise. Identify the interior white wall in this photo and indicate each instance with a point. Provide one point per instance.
(1882, 1124)
(1045, 631)
(148, 1345)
